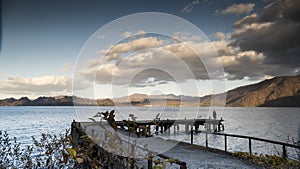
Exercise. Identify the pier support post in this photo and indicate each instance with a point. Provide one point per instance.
(192, 135)
(174, 130)
(148, 130)
(206, 139)
(186, 128)
(156, 130)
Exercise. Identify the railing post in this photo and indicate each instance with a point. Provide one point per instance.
(284, 154)
(192, 135)
(250, 146)
(105, 136)
(183, 167)
(225, 143)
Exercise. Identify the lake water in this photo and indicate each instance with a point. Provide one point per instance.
(278, 124)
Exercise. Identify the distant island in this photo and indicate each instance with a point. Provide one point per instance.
(276, 92)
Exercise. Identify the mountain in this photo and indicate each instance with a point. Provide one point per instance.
(56, 101)
(138, 99)
(15, 102)
(276, 92)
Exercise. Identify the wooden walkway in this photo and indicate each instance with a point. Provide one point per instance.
(111, 159)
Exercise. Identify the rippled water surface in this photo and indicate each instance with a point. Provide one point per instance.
(281, 124)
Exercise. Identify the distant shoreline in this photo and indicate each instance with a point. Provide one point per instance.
(100, 106)
(276, 92)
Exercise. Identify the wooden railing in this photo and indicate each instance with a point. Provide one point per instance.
(107, 159)
(284, 145)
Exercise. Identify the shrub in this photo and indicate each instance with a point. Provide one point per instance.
(50, 151)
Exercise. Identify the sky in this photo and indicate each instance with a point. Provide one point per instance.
(191, 47)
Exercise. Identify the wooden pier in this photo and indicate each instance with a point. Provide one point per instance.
(156, 126)
(164, 126)
(124, 149)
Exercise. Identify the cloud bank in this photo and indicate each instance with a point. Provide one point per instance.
(261, 45)
(274, 33)
(55, 85)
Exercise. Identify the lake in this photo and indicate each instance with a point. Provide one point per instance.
(281, 124)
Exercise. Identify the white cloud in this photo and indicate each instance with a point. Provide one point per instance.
(126, 34)
(220, 35)
(228, 60)
(132, 46)
(185, 36)
(129, 34)
(254, 27)
(43, 85)
(222, 47)
(239, 9)
(250, 56)
(247, 20)
(241, 64)
(190, 6)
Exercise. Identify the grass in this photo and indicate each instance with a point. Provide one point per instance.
(268, 161)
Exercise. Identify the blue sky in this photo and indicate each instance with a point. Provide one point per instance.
(41, 40)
